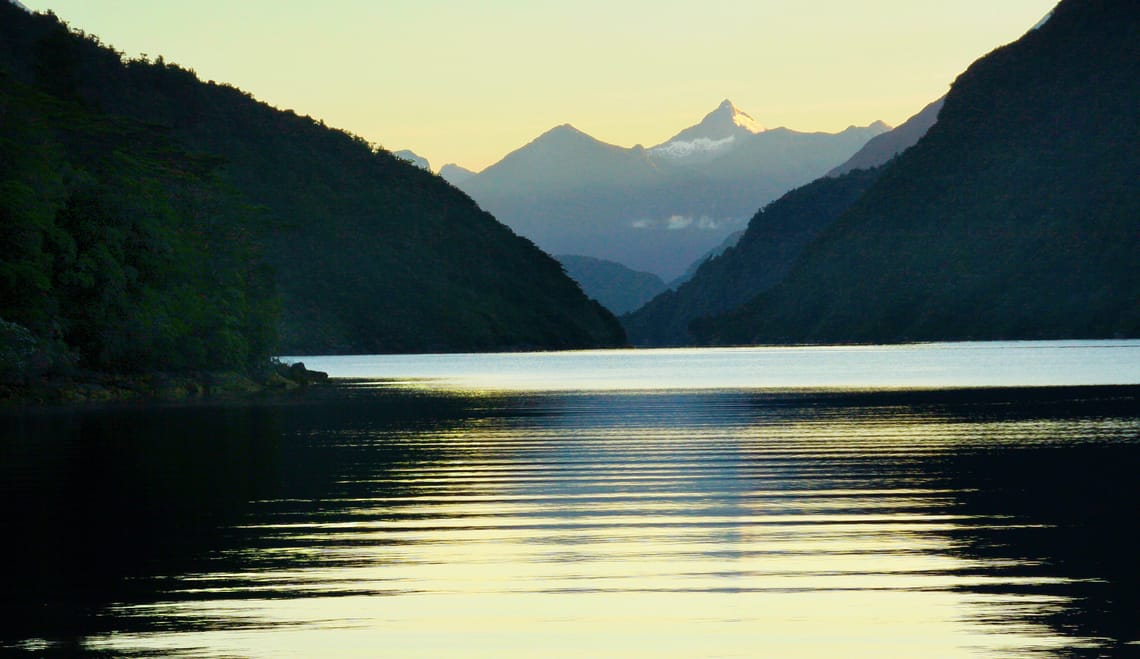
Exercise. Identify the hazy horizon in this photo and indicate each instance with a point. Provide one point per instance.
(467, 84)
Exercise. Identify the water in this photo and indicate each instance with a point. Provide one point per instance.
(438, 512)
(931, 365)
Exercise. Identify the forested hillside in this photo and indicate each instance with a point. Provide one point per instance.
(360, 251)
(118, 250)
(1016, 216)
(618, 288)
(775, 237)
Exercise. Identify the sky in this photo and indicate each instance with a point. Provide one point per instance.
(465, 81)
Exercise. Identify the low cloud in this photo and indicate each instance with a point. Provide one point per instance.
(701, 145)
(682, 222)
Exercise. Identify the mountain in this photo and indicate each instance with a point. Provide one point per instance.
(720, 130)
(691, 271)
(790, 158)
(615, 286)
(564, 159)
(367, 252)
(414, 158)
(454, 174)
(654, 210)
(121, 251)
(1014, 217)
(881, 148)
(775, 237)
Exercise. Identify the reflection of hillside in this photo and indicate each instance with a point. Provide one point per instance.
(1044, 481)
(1067, 513)
(126, 506)
(993, 519)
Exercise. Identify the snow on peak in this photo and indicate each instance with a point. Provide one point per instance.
(740, 118)
(717, 132)
(678, 149)
(20, 5)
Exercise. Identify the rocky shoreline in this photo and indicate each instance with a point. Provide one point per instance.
(96, 387)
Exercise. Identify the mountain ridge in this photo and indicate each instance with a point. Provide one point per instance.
(1014, 217)
(369, 252)
(573, 194)
(881, 148)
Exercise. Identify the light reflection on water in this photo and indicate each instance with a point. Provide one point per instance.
(735, 523)
(921, 365)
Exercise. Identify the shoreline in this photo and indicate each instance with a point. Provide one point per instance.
(96, 388)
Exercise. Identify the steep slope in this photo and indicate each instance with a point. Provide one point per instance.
(776, 236)
(691, 271)
(881, 148)
(1016, 216)
(721, 130)
(563, 159)
(454, 174)
(416, 159)
(654, 210)
(615, 286)
(371, 253)
(119, 251)
(790, 157)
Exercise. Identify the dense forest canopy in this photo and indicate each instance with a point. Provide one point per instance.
(120, 250)
(152, 220)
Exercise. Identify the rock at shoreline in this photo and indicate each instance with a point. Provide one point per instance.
(91, 387)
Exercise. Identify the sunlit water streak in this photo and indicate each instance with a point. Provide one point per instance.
(667, 523)
(922, 365)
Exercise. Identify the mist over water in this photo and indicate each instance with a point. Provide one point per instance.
(372, 519)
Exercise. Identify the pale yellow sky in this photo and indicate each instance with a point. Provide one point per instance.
(467, 82)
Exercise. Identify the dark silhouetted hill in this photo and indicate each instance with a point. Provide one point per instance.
(881, 148)
(416, 159)
(370, 253)
(691, 271)
(1017, 216)
(776, 236)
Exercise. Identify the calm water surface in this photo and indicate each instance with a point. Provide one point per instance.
(614, 504)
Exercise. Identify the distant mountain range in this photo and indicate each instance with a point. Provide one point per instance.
(454, 174)
(719, 132)
(776, 236)
(655, 209)
(1015, 216)
(414, 158)
(881, 148)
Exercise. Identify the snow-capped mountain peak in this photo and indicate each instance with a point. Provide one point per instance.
(739, 118)
(720, 130)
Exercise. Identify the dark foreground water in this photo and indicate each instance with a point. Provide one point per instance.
(372, 520)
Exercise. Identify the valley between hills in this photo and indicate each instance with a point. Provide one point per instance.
(155, 222)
